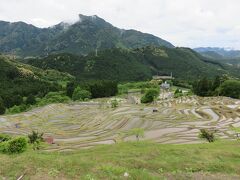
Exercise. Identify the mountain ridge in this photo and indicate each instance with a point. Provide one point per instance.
(223, 52)
(84, 36)
(135, 64)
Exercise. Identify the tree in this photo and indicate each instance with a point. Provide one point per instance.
(216, 83)
(138, 132)
(2, 107)
(230, 88)
(100, 89)
(30, 100)
(17, 100)
(12, 100)
(150, 95)
(202, 87)
(70, 89)
(81, 94)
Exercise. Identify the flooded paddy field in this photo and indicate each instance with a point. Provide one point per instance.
(85, 125)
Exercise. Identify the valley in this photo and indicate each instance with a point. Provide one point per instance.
(88, 124)
(86, 100)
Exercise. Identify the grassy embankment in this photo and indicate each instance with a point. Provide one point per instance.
(141, 160)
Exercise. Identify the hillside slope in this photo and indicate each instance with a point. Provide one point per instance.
(138, 64)
(86, 35)
(17, 79)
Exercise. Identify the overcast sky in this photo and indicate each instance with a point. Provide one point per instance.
(190, 23)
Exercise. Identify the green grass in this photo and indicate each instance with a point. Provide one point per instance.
(142, 160)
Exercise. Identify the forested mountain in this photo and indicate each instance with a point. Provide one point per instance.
(138, 64)
(19, 80)
(231, 57)
(84, 36)
(219, 52)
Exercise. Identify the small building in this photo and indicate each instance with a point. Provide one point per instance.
(165, 86)
(163, 78)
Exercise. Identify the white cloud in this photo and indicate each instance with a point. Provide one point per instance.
(183, 22)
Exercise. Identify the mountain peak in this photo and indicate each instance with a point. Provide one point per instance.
(81, 37)
(88, 18)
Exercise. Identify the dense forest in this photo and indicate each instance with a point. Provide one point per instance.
(220, 86)
(18, 80)
(134, 65)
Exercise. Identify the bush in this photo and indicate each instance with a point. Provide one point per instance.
(114, 103)
(178, 93)
(35, 137)
(16, 145)
(4, 138)
(150, 95)
(138, 132)
(81, 94)
(54, 97)
(4, 147)
(208, 135)
(17, 109)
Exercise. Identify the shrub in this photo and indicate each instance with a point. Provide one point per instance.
(150, 95)
(17, 145)
(138, 132)
(81, 94)
(178, 93)
(114, 103)
(17, 109)
(4, 147)
(4, 138)
(35, 137)
(54, 97)
(208, 135)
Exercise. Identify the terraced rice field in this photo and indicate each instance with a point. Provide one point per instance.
(84, 125)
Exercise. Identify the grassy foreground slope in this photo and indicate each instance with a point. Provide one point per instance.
(141, 160)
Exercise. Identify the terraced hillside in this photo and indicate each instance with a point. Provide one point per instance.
(84, 125)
